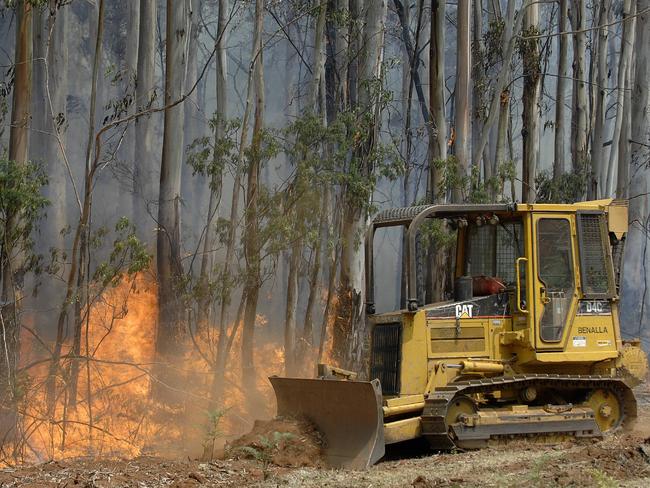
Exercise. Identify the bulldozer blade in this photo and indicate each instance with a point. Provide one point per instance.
(348, 414)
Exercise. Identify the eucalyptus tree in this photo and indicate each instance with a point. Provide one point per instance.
(365, 88)
(462, 143)
(597, 187)
(251, 237)
(579, 98)
(169, 266)
(635, 300)
(438, 146)
(559, 153)
(12, 253)
(530, 131)
(617, 174)
(145, 156)
(49, 120)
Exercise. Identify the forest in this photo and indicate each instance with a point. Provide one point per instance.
(174, 230)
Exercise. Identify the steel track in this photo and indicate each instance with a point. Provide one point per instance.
(437, 432)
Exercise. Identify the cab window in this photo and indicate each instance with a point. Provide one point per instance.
(556, 272)
(492, 250)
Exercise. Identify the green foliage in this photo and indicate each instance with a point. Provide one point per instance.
(535, 474)
(493, 42)
(267, 446)
(450, 177)
(472, 187)
(33, 3)
(128, 256)
(567, 188)
(603, 480)
(434, 232)
(252, 452)
(528, 48)
(210, 156)
(213, 430)
(21, 206)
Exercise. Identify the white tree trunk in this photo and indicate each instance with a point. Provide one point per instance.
(635, 303)
(130, 81)
(619, 150)
(50, 87)
(513, 23)
(290, 330)
(168, 240)
(251, 224)
(598, 168)
(145, 191)
(531, 98)
(580, 112)
(348, 333)
(221, 115)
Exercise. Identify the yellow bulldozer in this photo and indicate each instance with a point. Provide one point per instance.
(528, 343)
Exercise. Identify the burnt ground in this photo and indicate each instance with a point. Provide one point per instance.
(618, 460)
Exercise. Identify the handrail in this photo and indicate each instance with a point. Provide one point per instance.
(517, 272)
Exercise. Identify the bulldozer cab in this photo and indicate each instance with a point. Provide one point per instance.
(482, 244)
(543, 268)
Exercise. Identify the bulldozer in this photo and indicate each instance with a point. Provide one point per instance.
(525, 344)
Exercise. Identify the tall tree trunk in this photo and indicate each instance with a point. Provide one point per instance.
(620, 144)
(12, 256)
(559, 150)
(598, 169)
(291, 350)
(635, 301)
(314, 288)
(462, 97)
(512, 25)
(83, 229)
(292, 308)
(623, 175)
(49, 116)
(502, 136)
(216, 179)
(144, 191)
(349, 328)
(193, 187)
(437, 150)
(339, 61)
(530, 99)
(170, 328)
(479, 86)
(130, 68)
(413, 60)
(579, 102)
(437, 146)
(251, 236)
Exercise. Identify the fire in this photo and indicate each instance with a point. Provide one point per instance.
(114, 414)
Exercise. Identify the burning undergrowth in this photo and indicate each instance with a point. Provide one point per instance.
(113, 412)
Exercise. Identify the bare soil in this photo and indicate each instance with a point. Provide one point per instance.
(282, 442)
(265, 459)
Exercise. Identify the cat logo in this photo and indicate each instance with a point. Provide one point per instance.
(464, 311)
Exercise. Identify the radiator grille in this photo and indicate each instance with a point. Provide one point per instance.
(595, 266)
(385, 358)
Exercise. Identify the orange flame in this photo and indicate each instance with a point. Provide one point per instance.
(114, 414)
